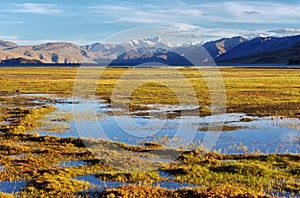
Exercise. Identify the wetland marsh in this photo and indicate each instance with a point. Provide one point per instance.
(47, 151)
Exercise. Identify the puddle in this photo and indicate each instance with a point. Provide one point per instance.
(229, 160)
(36, 95)
(100, 185)
(163, 110)
(165, 174)
(12, 186)
(72, 164)
(174, 185)
(4, 123)
(267, 134)
(17, 156)
(283, 194)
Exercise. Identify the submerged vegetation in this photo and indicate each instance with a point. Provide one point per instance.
(49, 166)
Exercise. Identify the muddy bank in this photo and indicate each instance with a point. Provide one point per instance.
(287, 109)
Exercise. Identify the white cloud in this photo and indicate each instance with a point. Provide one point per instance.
(197, 32)
(35, 42)
(10, 38)
(36, 8)
(21, 41)
(11, 22)
(284, 32)
(143, 13)
(29, 42)
(257, 12)
(200, 34)
(183, 27)
(271, 33)
(226, 11)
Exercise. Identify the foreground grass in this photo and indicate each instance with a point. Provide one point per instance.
(214, 175)
(256, 91)
(222, 192)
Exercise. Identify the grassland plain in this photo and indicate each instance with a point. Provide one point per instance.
(37, 159)
(256, 91)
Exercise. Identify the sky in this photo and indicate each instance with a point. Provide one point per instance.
(89, 21)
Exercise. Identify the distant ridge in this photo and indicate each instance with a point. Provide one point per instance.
(290, 56)
(260, 50)
(17, 61)
(7, 44)
(260, 45)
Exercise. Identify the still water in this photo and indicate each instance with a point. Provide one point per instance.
(95, 119)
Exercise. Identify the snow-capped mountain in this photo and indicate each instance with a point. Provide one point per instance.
(154, 50)
(156, 42)
(189, 44)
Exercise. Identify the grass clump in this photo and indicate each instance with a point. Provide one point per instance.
(48, 184)
(133, 177)
(5, 195)
(25, 119)
(247, 169)
(246, 119)
(256, 172)
(148, 191)
(9, 149)
(293, 187)
(223, 128)
(148, 146)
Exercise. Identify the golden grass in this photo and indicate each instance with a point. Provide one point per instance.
(260, 91)
(243, 85)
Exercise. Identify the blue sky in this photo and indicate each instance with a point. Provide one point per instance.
(88, 21)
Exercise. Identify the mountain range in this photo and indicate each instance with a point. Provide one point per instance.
(237, 50)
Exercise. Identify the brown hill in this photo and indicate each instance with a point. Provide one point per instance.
(48, 53)
(7, 44)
